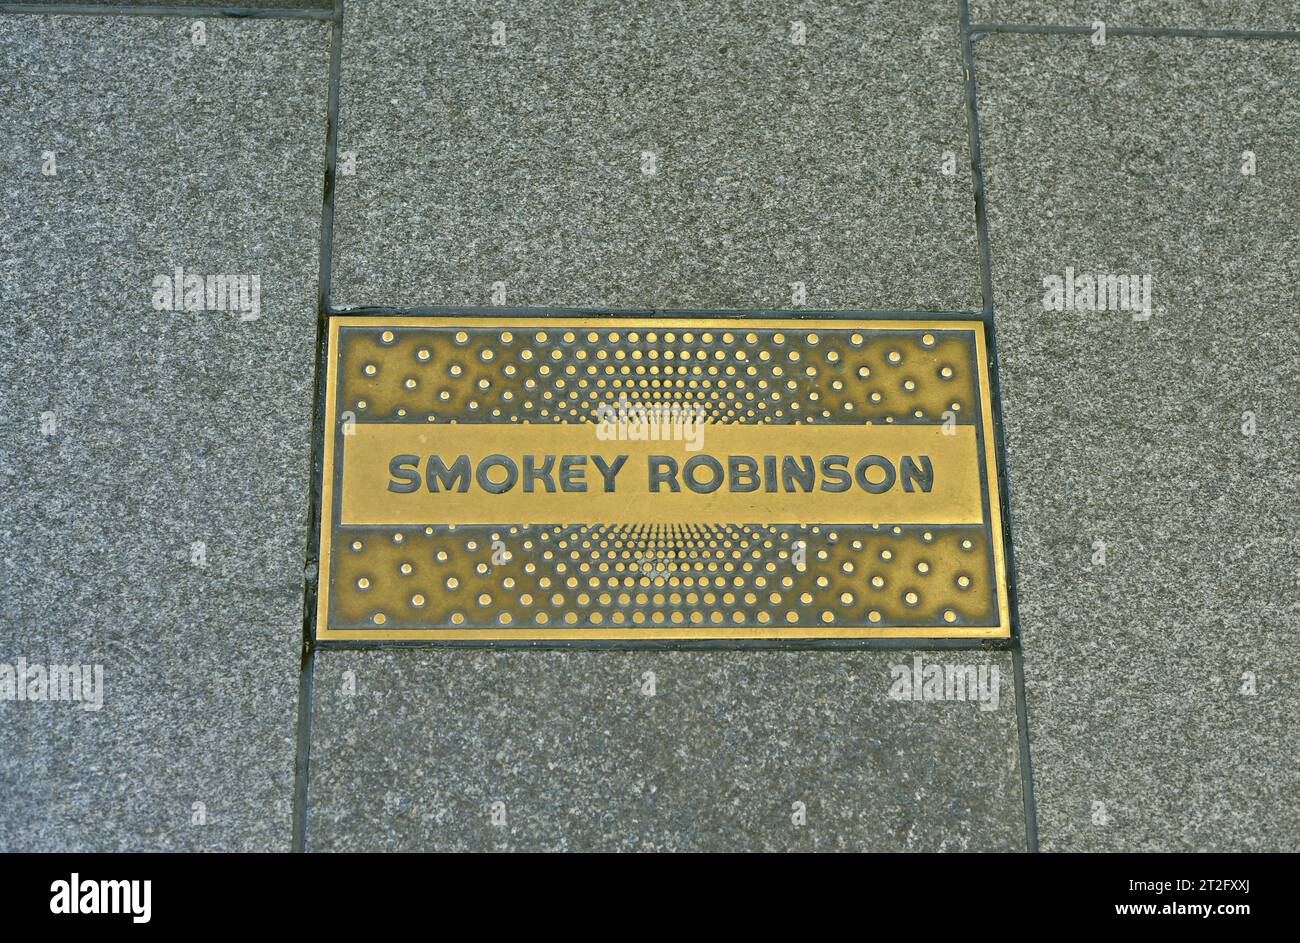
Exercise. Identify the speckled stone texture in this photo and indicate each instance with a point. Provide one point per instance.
(271, 5)
(1186, 14)
(583, 759)
(130, 435)
(1135, 434)
(775, 163)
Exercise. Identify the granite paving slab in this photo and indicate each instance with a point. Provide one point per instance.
(734, 155)
(655, 751)
(158, 264)
(1152, 450)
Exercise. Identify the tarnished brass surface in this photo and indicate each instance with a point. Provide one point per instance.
(901, 539)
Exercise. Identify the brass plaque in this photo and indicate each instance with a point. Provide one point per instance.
(606, 478)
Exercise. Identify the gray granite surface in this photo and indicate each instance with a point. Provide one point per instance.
(1135, 433)
(413, 749)
(155, 462)
(775, 162)
(272, 6)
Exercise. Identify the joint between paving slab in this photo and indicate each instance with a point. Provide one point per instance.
(191, 12)
(995, 387)
(311, 566)
(302, 755)
(1026, 758)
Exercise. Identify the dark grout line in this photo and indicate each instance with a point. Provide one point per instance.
(302, 755)
(1156, 31)
(311, 568)
(976, 167)
(323, 287)
(1026, 758)
(311, 576)
(995, 389)
(195, 12)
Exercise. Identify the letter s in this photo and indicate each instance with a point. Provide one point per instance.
(406, 479)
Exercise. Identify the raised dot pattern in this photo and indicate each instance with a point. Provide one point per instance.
(495, 575)
(557, 375)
